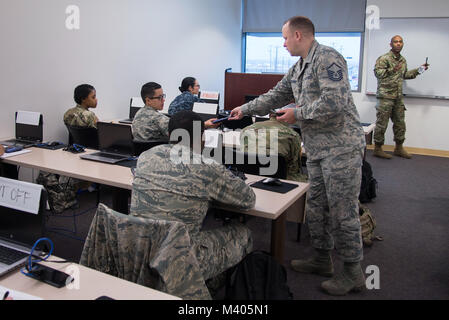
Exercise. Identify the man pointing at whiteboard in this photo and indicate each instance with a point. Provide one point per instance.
(390, 71)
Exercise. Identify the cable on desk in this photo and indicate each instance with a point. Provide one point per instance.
(30, 265)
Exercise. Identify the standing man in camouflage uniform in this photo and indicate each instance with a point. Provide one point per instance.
(166, 186)
(288, 143)
(85, 97)
(334, 140)
(390, 71)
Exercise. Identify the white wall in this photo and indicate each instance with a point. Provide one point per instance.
(120, 46)
(426, 119)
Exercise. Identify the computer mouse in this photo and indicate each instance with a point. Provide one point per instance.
(272, 181)
(54, 143)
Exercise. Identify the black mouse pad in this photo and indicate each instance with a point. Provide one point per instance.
(283, 188)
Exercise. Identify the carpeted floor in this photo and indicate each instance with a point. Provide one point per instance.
(412, 214)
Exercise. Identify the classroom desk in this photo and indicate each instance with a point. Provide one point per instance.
(269, 205)
(89, 284)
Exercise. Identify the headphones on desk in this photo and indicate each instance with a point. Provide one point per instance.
(75, 148)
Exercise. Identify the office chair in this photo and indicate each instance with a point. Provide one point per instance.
(85, 136)
(251, 163)
(140, 147)
(152, 252)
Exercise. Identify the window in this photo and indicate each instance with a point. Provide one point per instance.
(265, 53)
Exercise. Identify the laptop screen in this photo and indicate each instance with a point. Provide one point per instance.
(115, 138)
(22, 227)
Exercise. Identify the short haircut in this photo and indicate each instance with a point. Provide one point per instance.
(185, 119)
(301, 23)
(82, 92)
(148, 89)
(186, 83)
(392, 38)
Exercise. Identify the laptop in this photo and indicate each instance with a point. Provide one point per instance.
(115, 142)
(134, 106)
(19, 230)
(29, 130)
(205, 110)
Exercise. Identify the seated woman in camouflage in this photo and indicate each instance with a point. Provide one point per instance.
(174, 182)
(189, 95)
(85, 97)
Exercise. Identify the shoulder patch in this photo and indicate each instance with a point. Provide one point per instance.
(334, 72)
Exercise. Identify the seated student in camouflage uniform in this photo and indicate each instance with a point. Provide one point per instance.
(259, 135)
(85, 97)
(189, 95)
(148, 123)
(174, 182)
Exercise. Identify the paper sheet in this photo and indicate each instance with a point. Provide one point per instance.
(12, 154)
(17, 295)
(206, 108)
(209, 95)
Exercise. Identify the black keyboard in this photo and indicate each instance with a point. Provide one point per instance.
(110, 155)
(9, 256)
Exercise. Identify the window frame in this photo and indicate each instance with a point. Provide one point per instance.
(362, 39)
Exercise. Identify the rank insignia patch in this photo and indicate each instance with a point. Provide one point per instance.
(334, 72)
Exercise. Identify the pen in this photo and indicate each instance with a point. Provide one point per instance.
(426, 59)
(6, 295)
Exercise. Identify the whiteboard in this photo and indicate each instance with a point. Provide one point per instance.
(423, 37)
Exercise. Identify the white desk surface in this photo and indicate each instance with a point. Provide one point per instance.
(89, 284)
(70, 164)
(268, 204)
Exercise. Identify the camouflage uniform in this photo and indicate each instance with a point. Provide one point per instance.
(289, 144)
(184, 192)
(389, 96)
(149, 124)
(81, 117)
(334, 140)
(184, 101)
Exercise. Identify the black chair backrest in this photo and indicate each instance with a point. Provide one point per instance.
(257, 164)
(85, 136)
(140, 147)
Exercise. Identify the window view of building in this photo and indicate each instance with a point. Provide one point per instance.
(265, 53)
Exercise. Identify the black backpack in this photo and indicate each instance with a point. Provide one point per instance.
(257, 277)
(368, 187)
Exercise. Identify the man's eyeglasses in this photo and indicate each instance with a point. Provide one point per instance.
(158, 97)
